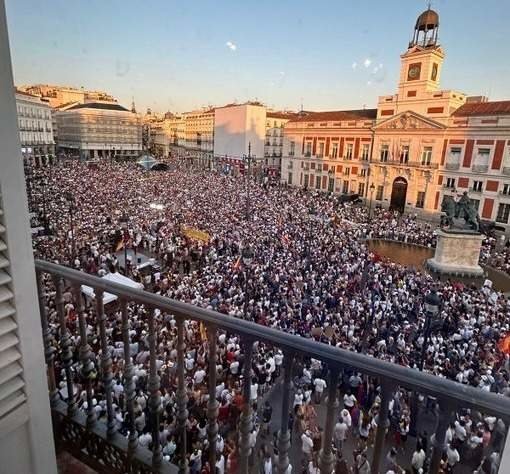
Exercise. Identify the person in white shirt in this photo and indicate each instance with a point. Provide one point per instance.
(340, 433)
(346, 416)
(418, 460)
(254, 390)
(298, 398)
(234, 367)
(452, 455)
(189, 362)
(349, 400)
(320, 385)
(307, 445)
(220, 464)
(278, 360)
(199, 376)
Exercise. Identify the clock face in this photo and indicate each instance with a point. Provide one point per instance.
(414, 72)
(434, 71)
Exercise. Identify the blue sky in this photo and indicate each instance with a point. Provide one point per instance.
(180, 55)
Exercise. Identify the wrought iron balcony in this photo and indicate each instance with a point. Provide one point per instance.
(452, 166)
(78, 430)
(480, 168)
(413, 164)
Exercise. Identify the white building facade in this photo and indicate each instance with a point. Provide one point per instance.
(35, 129)
(273, 145)
(99, 130)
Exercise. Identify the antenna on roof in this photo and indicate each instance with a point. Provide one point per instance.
(301, 104)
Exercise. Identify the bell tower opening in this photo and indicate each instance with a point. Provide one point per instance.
(420, 68)
(426, 30)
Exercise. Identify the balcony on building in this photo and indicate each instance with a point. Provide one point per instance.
(480, 168)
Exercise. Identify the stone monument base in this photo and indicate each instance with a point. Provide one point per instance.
(457, 253)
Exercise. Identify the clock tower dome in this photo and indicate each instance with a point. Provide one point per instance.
(420, 68)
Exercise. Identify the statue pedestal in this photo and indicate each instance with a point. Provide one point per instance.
(457, 253)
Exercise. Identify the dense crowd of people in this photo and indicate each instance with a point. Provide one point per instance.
(288, 259)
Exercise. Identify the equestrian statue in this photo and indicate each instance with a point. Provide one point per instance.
(463, 208)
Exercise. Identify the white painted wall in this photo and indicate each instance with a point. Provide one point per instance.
(237, 126)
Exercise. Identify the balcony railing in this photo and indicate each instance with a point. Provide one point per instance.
(413, 164)
(452, 166)
(480, 168)
(80, 432)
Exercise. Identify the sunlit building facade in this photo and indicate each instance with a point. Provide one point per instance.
(273, 145)
(35, 129)
(99, 130)
(419, 145)
(199, 131)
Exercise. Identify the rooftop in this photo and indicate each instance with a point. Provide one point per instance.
(282, 115)
(336, 115)
(501, 107)
(100, 105)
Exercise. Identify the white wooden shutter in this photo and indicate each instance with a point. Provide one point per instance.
(12, 393)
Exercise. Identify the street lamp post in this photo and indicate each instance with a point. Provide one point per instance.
(372, 187)
(44, 183)
(159, 208)
(248, 183)
(124, 221)
(247, 256)
(432, 305)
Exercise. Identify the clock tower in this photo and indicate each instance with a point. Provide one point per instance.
(420, 68)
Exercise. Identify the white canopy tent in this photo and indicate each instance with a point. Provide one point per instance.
(115, 278)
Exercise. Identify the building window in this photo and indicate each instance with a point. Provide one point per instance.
(345, 187)
(365, 149)
(308, 149)
(477, 186)
(317, 182)
(454, 155)
(450, 183)
(483, 156)
(420, 199)
(334, 150)
(384, 153)
(503, 213)
(506, 189)
(426, 156)
(361, 189)
(321, 150)
(404, 154)
(379, 193)
(306, 181)
(292, 148)
(290, 178)
(347, 171)
(348, 152)
(331, 185)
(363, 173)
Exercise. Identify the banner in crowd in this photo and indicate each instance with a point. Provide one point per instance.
(196, 234)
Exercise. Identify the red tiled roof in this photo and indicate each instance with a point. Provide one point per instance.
(336, 115)
(501, 107)
(282, 115)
